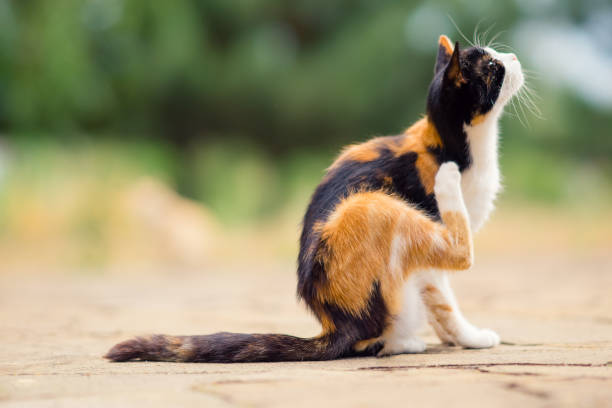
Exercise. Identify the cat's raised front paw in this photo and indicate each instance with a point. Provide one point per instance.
(447, 187)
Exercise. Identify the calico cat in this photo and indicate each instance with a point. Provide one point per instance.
(389, 219)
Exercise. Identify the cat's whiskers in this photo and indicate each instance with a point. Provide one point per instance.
(476, 36)
(494, 38)
(517, 113)
(501, 47)
(482, 37)
(531, 73)
(519, 106)
(528, 97)
(459, 31)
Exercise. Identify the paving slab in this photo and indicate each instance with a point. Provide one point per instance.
(553, 312)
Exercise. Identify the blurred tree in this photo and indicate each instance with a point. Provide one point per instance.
(286, 75)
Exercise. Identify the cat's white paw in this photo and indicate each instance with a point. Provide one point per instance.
(447, 188)
(479, 338)
(411, 345)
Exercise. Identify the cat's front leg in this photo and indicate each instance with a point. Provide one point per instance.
(445, 316)
(442, 308)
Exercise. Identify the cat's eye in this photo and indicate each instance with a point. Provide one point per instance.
(491, 63)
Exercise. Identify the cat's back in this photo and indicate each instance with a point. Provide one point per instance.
(402, 165)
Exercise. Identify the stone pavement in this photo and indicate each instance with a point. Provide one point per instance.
(553, 312)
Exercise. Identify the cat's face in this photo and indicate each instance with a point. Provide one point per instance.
(469, 84)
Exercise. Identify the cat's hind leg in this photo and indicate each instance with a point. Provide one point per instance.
(401, 337)
(370, 244)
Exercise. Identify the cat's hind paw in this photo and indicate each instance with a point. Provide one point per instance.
(411, 345)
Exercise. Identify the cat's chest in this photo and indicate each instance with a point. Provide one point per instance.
(481, 182)
(480, 187)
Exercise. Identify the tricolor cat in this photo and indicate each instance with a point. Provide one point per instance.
(390, 218)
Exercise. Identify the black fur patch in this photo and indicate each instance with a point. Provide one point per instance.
(245, 348)
(450, 107)
(369, 324)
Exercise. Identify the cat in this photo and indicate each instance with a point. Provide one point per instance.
(390, 219)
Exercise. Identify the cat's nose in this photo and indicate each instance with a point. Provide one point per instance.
(513, 56)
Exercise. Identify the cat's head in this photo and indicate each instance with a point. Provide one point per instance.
(472, 83)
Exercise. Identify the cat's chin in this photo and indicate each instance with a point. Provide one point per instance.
(515, 82)
(515, 77)
(507, 94)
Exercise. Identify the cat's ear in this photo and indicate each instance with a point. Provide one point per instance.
(445, 50)
(452, 72)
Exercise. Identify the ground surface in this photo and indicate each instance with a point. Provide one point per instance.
(554, 314)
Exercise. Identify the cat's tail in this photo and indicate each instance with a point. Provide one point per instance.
(231, 348)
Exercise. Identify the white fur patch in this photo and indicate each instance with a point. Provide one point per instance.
(398, 248)
(402, 337)
(481, 182)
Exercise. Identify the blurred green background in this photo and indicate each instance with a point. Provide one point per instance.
(235, 108)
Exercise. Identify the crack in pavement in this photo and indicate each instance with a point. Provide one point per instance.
(520, 374)
(509, 343)
(479, 365)
(526, 390)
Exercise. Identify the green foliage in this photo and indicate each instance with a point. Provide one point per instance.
(243, 88)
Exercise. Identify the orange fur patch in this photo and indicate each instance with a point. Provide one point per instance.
(422, 131)
(459, 253)
(180, 348)
(416, 139)
(443, 308)
(459, 79)
(376, 237)
(454, 71)
(419, 138)
(359, 234)
(326, 321)
(387, 181)
(446, 43)
(363, 152)
(440, 311)
(427, 167)
(453, 243)
(364, 344)
(478, 119)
